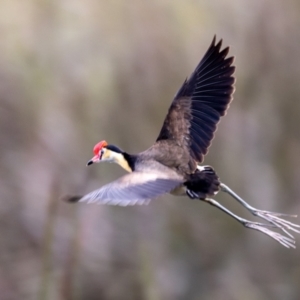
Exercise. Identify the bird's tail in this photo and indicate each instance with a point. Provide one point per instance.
(203, 183)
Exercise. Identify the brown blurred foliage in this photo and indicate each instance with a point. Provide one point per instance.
(76, 72)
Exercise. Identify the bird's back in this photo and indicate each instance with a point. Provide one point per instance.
(170, 155)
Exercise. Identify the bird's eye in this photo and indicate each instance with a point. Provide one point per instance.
(101, 153)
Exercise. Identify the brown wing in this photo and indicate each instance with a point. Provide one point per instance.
(200, 102)
(131, 189)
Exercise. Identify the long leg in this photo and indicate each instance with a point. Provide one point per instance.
(271, 217)
(285, 241)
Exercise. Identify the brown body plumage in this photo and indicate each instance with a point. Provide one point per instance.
(171, 164)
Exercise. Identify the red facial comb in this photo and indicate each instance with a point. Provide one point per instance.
(99, 146)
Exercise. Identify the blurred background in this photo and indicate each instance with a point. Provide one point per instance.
(75, 72)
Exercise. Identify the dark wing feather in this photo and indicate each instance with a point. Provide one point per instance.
(200, 102)
(131, 189)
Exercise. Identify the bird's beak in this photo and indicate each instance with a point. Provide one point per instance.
(95, 159)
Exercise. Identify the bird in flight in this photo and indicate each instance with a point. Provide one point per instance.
(172, 163)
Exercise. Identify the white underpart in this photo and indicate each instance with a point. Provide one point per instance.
(201, 168)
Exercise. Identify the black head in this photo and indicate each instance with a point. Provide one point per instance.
(114, 149)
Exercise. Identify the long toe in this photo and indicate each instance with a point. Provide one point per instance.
(287, 242)
(273, 218)
(191, 194)
(280, 223)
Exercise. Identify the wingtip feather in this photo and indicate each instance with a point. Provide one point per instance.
(71, 199)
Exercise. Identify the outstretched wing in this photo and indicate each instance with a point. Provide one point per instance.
(131, 189)
(200, 102)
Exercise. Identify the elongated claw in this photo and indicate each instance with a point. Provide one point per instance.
(273, 218)
(262, 227)
(278, 222)
(283, 240)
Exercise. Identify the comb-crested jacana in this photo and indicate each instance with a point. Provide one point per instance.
(171, 165)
